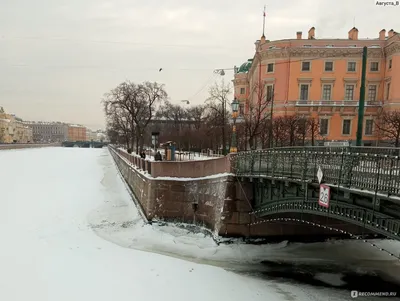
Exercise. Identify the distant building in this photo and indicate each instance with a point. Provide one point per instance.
(76, 133)
(160, 123)
(22, 133)
(48, 131)
(91, 135)
(13, 130)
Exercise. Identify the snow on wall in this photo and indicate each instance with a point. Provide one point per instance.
(173, 199)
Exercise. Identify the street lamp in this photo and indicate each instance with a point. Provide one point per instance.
(219, 71)
(235, 109)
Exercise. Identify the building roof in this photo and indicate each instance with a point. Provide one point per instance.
(245, 67)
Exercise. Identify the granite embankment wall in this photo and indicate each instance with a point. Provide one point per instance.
(218, 202)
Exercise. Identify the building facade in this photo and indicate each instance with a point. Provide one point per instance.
(48, 131)
(321, 78)
(91, 135)
(76, 133)
(13, 130)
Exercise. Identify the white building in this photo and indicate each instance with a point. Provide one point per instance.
(48, 131)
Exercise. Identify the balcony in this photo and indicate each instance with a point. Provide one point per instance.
(336, 103)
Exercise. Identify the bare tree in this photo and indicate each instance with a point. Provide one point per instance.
(302, 130)
(308, 129)
(151, 95)
(295, 130)
(388, 125)
(197, 115)
(177, 115)
(217, 108)
(257, 112)
(314, 129)
(119, 123)
(136, 105)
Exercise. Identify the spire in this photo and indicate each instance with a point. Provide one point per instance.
(264, 14)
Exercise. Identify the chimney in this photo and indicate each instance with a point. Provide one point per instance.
(390, 33)
(382, 34)
(298, 34)
(353, 34)
(311, 33)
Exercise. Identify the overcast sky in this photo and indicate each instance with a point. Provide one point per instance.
(58, 57)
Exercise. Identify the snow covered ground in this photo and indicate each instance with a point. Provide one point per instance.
(70, 231)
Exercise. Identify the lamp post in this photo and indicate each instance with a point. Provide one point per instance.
(221, 72)
(235, 109)
(190, 126)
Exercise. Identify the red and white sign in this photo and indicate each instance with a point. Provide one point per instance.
(324, 195)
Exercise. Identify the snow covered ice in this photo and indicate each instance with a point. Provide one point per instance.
(69, 231)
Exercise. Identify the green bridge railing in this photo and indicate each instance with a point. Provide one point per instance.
(365, 168)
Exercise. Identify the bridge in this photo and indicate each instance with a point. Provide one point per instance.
(84, 144)
(361, 185)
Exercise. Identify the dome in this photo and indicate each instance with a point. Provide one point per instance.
(245, 67)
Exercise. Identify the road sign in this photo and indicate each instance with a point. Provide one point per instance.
(320, 174)
(324, 195)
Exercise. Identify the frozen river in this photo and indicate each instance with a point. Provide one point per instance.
(70, 231)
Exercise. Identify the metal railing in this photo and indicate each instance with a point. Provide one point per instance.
(365, 168)
(367, 218)
(179, 155)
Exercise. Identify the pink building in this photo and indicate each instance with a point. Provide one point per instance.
(321, 78)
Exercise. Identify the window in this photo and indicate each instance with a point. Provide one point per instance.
(305, 66)
(351, 67)
(374, 66)
(387, 91)
(346, 127)
(270, 67)
(372, 92)
(242, 90)
(326, 92)
(328, 66)
(390, 64)
(349, 92)
(303, 92)
(241, 109)
(368, 126)
(270, 92)
(323, 128)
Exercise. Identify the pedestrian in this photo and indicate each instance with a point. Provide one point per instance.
(158, 156)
